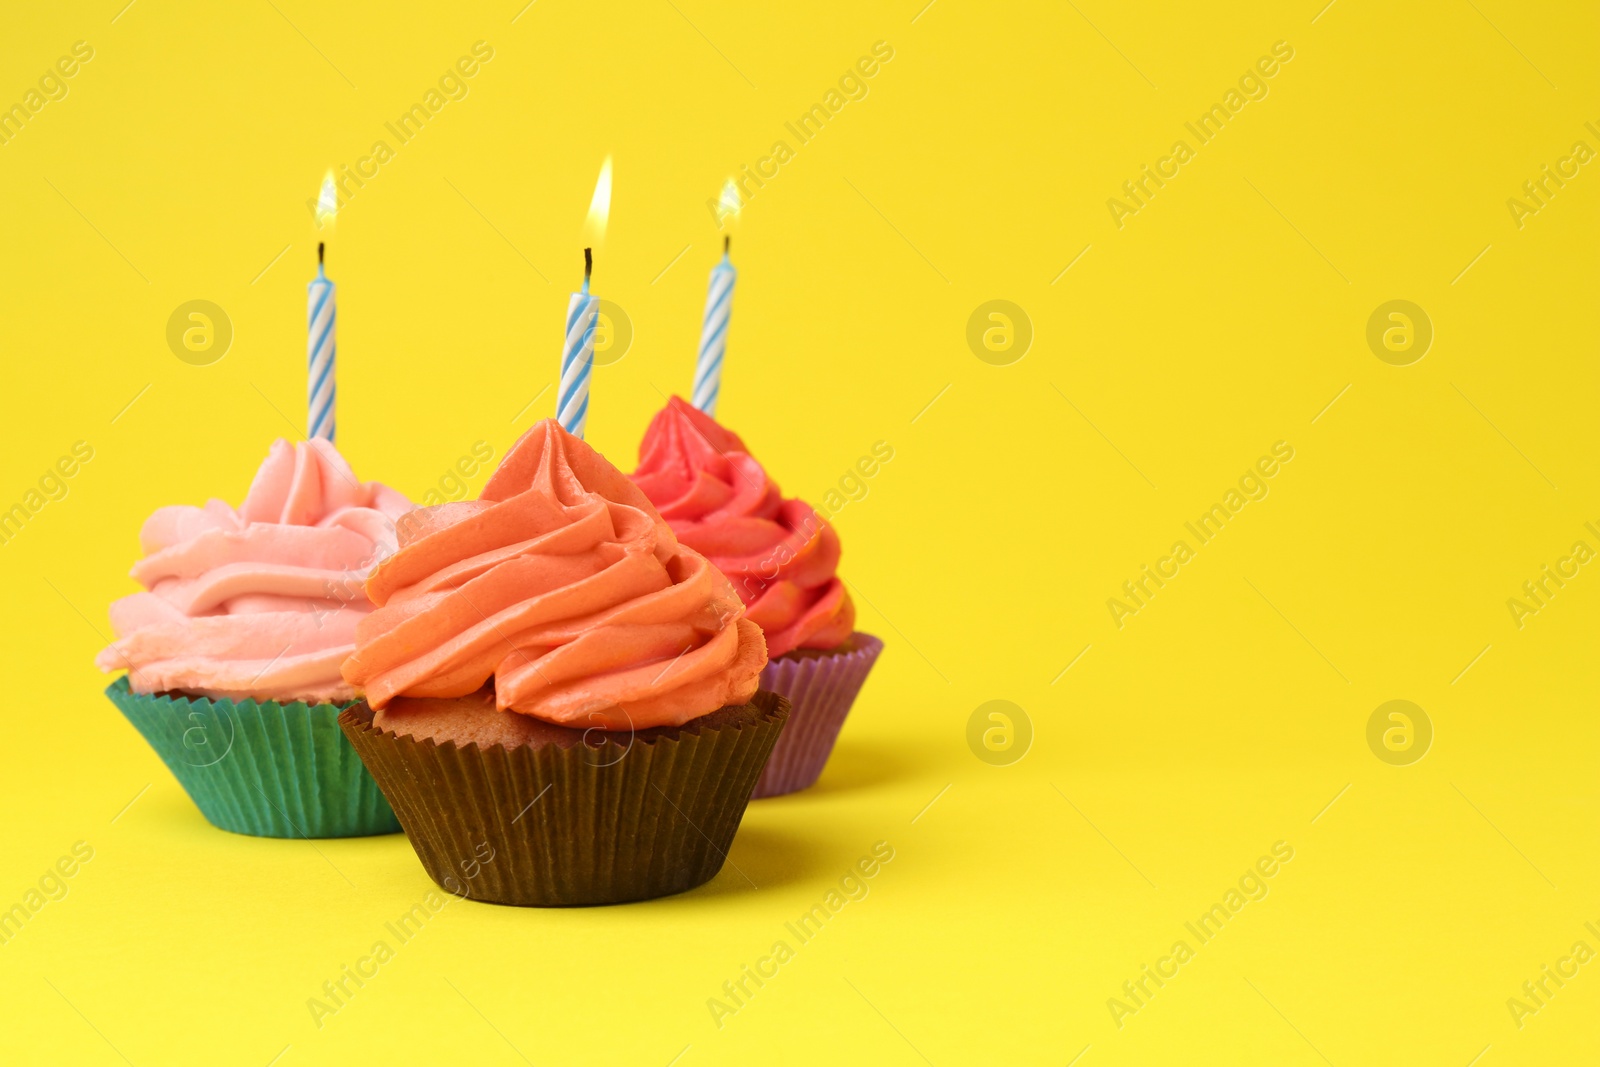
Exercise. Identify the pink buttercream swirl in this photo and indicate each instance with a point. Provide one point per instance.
(260, 602)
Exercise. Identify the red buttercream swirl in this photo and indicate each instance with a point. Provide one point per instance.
(565, 586)
(781, 556)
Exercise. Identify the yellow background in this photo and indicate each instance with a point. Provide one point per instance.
(1223, 317)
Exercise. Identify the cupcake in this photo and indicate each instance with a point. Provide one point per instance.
(782, 558)
(233, 653)
(561, 699)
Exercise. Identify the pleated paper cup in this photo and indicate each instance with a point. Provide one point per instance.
(607, 818)
(261, 768)
(821, 686)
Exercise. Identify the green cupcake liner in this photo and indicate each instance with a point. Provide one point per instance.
(261, 768)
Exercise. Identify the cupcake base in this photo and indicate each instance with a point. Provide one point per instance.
(597, 818)
(261, 768)
(821, 685)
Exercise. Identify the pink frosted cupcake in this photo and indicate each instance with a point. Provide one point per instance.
(782, 558)
(233, 653)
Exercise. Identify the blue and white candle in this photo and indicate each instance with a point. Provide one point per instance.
(322, 349)
(577, 355)
(714, 334)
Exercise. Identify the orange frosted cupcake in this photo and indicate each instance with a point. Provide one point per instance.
(782, 558)
(562, 699)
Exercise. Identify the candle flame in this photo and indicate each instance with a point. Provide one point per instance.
(594, 227)
(728, 204)
(327, 202)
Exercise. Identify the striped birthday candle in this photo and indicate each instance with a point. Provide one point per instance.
(714, 335)
(322, 349)
(577, 355)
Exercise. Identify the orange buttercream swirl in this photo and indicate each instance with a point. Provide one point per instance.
(563, 584)
(780, 554)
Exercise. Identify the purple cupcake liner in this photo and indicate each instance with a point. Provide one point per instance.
(821, 689)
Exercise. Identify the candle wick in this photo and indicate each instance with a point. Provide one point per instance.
(588, 264)
(319, 253)
(726, 241)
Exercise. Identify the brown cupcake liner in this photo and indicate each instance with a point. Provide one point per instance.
(821, 686)
(628, 818)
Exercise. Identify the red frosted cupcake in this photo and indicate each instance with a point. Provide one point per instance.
(563, 704)
(782, 558)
